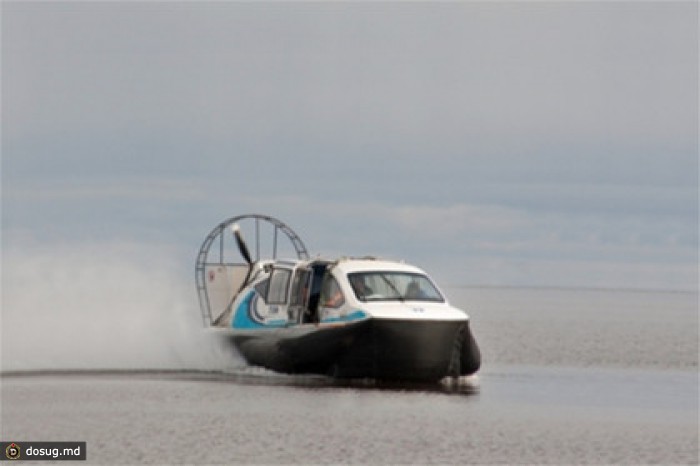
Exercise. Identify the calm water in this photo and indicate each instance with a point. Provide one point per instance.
(568, 377)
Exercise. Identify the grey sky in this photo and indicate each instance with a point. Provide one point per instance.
(540, 143)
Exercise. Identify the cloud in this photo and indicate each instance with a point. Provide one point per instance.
(58, 191)
(457, 221)
(449, 77)
(453, 133)
(599, 273)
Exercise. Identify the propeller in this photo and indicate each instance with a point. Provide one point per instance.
(241, 243)
(246, 255)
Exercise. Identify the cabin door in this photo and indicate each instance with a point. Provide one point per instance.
(318, 271)
(277, 298)
(299, 297)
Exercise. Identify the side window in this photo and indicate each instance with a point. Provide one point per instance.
(279, 281)
(261, 288)
(331, 295)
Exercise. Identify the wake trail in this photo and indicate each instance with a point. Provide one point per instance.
(129, 309)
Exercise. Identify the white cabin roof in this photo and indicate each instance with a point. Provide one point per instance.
(366, 265)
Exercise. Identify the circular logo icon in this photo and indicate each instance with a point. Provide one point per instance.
(12, 451)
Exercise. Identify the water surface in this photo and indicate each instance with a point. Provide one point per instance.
(586, 377)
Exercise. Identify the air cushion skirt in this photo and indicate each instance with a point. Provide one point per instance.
(371, 348)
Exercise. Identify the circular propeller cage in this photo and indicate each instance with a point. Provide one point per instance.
(220, 251)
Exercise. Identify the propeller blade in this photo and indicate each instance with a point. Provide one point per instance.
(241, 244)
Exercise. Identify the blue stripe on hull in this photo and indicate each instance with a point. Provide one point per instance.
(355, 315)
(243, 319)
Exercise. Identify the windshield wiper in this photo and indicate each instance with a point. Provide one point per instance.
(393, 287)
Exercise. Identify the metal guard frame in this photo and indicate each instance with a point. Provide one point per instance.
(203, 255)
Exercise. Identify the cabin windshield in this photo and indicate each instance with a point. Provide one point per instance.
(393, 286)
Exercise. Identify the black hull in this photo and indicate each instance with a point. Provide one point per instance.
(373, 348)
